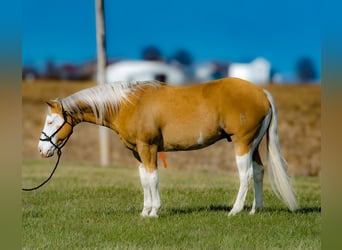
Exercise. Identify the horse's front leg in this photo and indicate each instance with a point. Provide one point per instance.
(154, 185)
(147, 191)
(149, 179)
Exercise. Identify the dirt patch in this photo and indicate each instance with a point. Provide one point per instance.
(299, 110)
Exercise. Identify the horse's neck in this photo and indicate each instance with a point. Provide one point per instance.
(99, 105)
(86, 114)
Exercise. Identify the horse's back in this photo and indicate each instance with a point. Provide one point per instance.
(235, 90)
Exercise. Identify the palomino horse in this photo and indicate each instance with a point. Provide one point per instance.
(151, 116)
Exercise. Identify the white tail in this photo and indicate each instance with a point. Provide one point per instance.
(276, 164)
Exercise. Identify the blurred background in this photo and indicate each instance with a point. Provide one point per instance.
(261, 40)
(276, 45)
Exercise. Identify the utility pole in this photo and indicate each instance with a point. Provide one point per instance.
(101, 75)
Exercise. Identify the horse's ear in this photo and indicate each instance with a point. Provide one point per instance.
(53, 103)
(50, 103)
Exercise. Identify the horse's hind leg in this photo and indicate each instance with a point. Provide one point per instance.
(244, 165)
(258, 176)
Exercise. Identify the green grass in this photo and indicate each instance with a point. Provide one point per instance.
(88, 207)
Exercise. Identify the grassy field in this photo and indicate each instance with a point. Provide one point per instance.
(90, 207)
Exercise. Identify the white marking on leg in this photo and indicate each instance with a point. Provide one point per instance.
(258, 176)
(150, 184)
(200, 140)
(244, 164)
(154, 186)
(147, 191)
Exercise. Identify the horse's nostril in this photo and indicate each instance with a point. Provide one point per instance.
(41, 153)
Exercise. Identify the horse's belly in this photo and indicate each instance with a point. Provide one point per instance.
(180, 140)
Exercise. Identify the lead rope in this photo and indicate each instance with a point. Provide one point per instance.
(59, 153)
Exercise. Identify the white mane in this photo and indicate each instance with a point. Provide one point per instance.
(104, 98)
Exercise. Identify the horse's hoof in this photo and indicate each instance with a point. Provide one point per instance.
(233, 212)
(255, 210)
(230, 214)
(145, 212)
(154, 213)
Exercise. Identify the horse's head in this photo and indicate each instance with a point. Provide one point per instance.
(57, 129)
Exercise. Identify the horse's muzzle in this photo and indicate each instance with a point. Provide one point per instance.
(46, 154)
